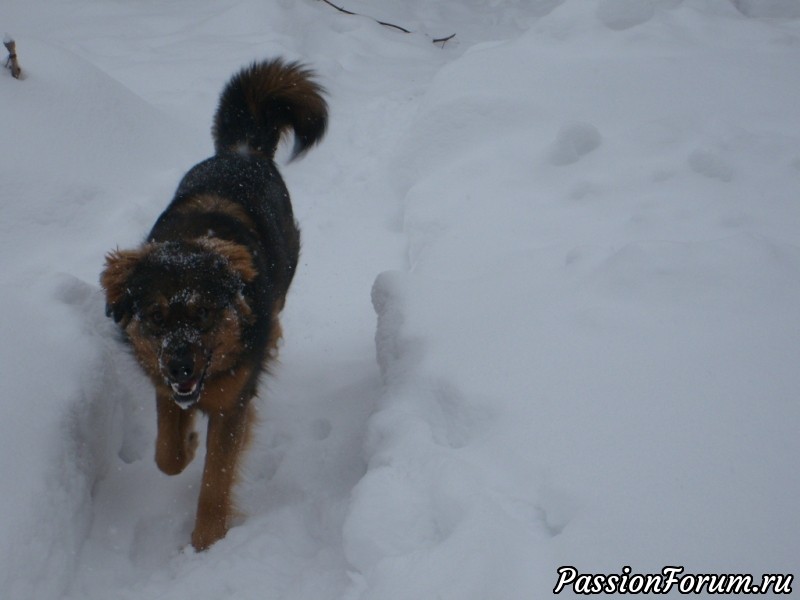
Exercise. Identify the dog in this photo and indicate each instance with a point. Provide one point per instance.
(199, 300)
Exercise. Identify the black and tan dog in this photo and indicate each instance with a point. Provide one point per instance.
(199, 299)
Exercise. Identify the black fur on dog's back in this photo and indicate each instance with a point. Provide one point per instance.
(257, 107)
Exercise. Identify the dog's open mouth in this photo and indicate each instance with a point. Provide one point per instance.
(186, 393)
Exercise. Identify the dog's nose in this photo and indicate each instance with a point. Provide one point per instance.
(181, 365)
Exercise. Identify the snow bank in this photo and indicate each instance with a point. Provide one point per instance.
(591, 361)
(768, 8)
(64, 396)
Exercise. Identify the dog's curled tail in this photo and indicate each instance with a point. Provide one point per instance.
(264, 101)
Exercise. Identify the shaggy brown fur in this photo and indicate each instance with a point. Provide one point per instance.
(199, 300)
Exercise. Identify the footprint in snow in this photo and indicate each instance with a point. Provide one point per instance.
(624, 14)
(573, 142)
(710, 164)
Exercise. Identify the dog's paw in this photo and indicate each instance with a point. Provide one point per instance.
(205, 535)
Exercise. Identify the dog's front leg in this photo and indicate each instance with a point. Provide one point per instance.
(227, 433)
(176, 441)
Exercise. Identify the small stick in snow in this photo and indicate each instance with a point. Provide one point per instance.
(349, 12)
(444, 40)
(341, 9)
(11, 62)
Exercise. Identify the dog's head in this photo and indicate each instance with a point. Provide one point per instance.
(182, 307)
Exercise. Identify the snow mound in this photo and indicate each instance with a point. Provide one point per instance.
(768, 8)
(80, 139)
(620, 349)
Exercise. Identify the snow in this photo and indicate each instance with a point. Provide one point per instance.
(545, 315)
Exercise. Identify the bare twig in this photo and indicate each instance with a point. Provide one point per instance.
(403, 29)
(444, 40)
(11, 62)
(348, 12)
(339, 8)
(385, 24)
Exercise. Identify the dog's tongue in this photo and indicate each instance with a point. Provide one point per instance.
(187, 387)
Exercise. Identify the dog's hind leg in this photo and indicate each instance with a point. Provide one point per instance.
(227, 437)
(176, 441)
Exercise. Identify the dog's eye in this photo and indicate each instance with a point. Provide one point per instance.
(157, 318)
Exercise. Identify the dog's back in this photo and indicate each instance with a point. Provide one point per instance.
(238, 194)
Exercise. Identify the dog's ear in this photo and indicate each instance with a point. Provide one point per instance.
(114, 279)
(237, 256)
(240, 261)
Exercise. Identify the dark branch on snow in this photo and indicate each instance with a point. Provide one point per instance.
(11, 62)
(385, 24)
(444, 40)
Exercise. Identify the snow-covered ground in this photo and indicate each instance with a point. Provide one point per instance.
(578, 224)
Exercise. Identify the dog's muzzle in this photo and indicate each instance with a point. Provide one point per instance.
(187, 393)
(186, 384)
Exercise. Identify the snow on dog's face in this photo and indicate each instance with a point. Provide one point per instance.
(182, 307)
